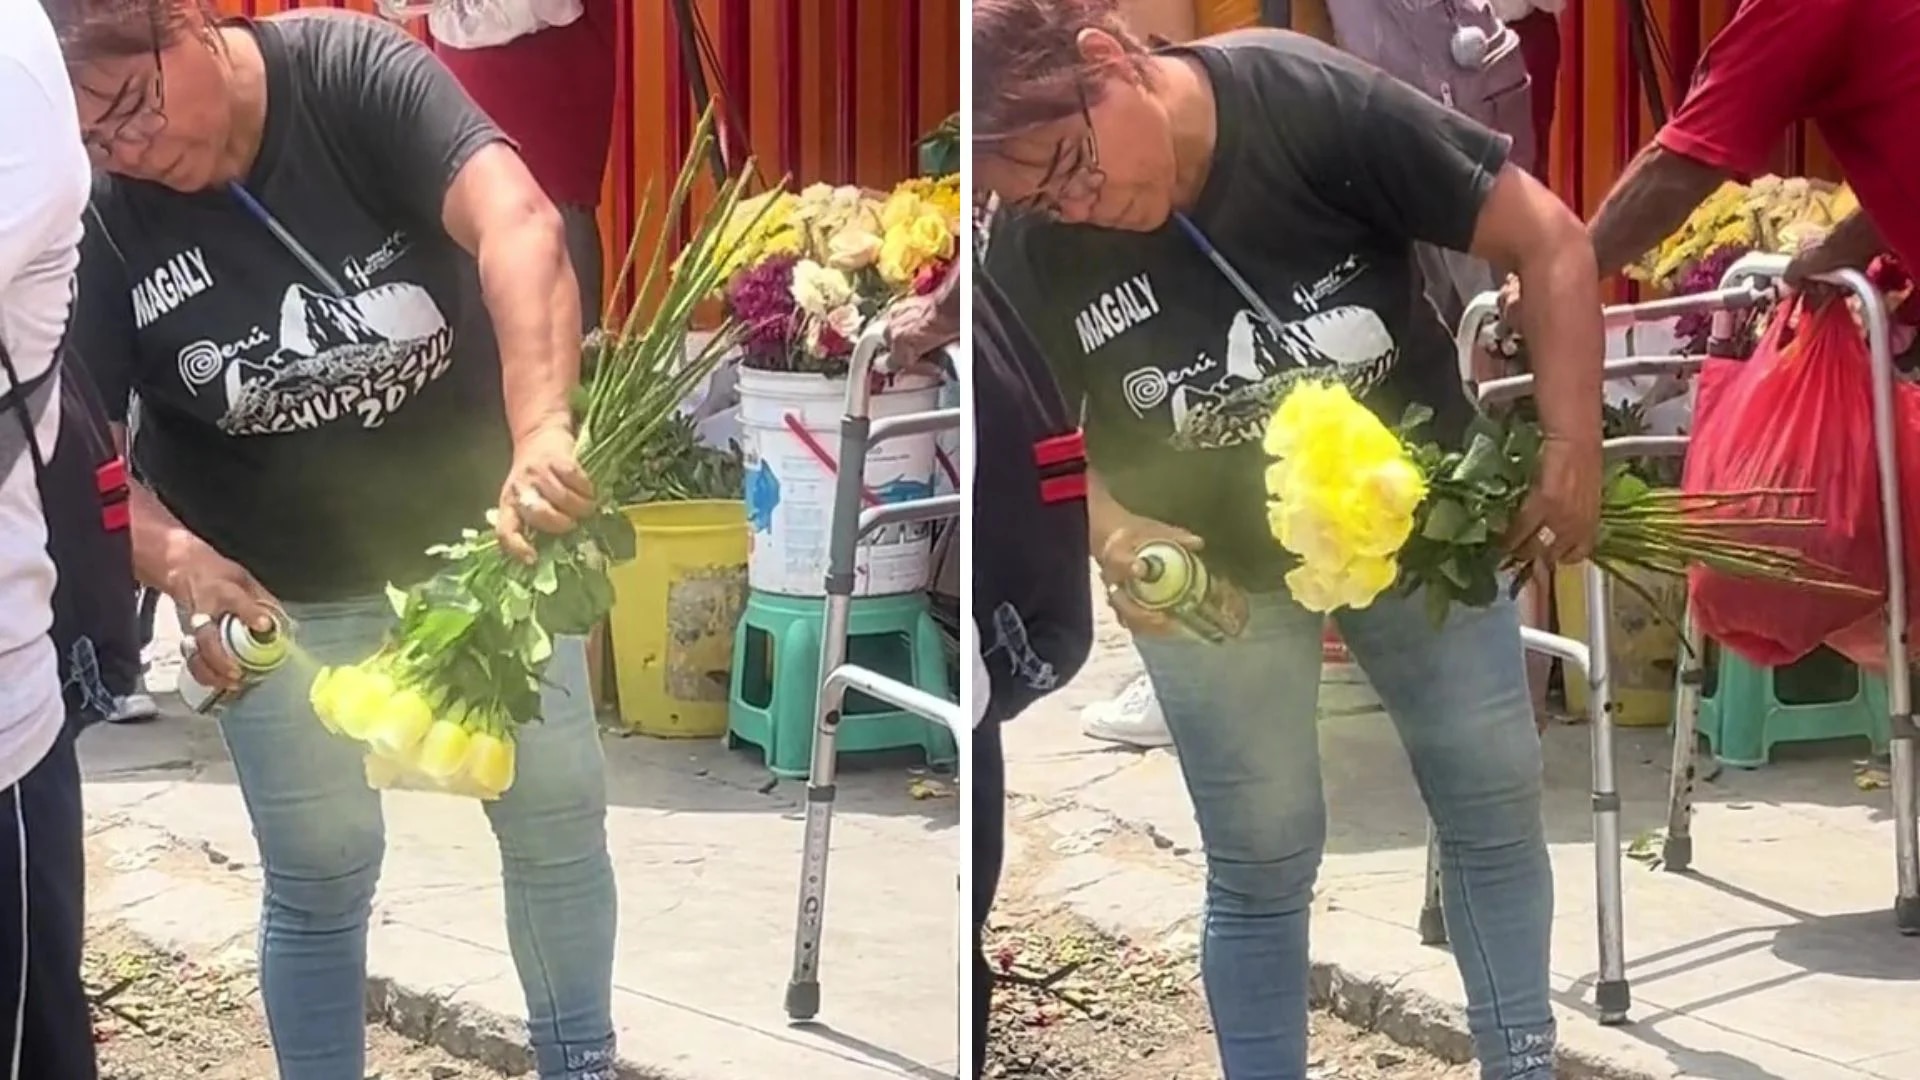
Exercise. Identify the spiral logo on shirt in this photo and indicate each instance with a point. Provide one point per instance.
(200, 364)
(1144, 389)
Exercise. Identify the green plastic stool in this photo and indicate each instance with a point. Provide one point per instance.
(776, 678)
(1745, 710)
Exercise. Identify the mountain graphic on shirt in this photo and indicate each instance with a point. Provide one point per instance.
(1261, 364)
(361, 356)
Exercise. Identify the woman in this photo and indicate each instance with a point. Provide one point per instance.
(1302, 179)
(347, 311)
(1031, 604)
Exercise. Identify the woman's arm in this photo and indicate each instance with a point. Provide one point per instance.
(1525, 229)
(444, 161)
(497, 211)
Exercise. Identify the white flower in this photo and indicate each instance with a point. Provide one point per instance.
(818, 289)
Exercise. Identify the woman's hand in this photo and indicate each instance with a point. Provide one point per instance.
(919, 325)
(206, 585)
(1114, 553)
(546, 489)
(1561, 515)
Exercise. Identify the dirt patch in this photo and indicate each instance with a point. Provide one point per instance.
(1078, 1004)
(167, 1016)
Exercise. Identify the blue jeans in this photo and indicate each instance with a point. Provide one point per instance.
(1242, 717)
(322, 838)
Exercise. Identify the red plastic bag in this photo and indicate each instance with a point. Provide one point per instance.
(1799, 416)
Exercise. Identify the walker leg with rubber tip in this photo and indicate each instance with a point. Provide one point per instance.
(843, 539)
(1433, 917)
(1611, 995)
(1676, 853)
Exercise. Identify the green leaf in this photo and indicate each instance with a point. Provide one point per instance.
(1483, 588)
(439, 627)
(516, 603)
(1439, 600)
(535, 646)
(617, 537)
(546, 576)
(1447, 520)
(1455, 573)
(397, 597)
(1416, 417)
(1482, 462)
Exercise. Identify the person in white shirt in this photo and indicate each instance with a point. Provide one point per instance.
(44, 182)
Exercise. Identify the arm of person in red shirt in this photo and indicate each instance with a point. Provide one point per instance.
(1850, 246)
(1761, 74)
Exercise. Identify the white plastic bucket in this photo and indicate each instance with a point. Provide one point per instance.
(791, 427)
(946, 470)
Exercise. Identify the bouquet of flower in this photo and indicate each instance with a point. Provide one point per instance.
(463, 670)
(1773, 214)
(817, 265)
(1366, 507)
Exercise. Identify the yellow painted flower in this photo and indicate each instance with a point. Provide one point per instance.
(402, 724)
(1356, 585)
(443, 753)
(362, 701)
(490, 762)
(382, 773)
(320, 696)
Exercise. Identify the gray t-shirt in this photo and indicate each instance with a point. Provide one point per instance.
(1325, 174)
(322, 441)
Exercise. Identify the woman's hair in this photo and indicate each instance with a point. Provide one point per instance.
(114, 29)
(1027, 67)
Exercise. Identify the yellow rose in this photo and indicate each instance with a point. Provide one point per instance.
(320, 696)
(443, 753)
(1314, 588)
(1363, 581)
(1396, 486)
(1304, 529)
(902, 206)
(402, 724)
(490, 763)
(381, 772)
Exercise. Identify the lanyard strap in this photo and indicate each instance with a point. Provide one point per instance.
(1240, 284)
(287, 240)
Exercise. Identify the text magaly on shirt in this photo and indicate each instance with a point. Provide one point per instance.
(1325, 173)
(322, 441)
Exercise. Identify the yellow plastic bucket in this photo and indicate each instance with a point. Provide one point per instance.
(674, 610)
(1643, 649)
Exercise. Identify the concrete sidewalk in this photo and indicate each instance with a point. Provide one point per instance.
(1775, 960)
(707, 849)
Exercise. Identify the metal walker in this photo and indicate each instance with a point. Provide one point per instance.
(851, 523)
(1749, 284)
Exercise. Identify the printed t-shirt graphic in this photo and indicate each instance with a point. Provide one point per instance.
(323, 441)
(1325, 173)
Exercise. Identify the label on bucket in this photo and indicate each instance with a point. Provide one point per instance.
(790, 478)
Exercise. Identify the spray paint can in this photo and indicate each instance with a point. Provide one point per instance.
(1171, 580)
(257, 652)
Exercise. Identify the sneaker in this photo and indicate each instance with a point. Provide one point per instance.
(133, 709)
(1132, 719)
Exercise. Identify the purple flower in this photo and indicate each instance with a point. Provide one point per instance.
(1703, 276)
(761, 297)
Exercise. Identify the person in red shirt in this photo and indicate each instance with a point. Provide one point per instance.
(552, 93)
(1850, 66)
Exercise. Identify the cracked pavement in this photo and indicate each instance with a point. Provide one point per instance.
(707, 852)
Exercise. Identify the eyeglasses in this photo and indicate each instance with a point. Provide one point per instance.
(135, 116)
(1074, 172)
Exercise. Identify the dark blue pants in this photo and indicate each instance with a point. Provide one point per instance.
(43, 919)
